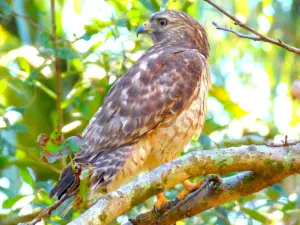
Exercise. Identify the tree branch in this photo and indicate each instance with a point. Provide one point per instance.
(260, 37)
(233, 187)
(271, 163)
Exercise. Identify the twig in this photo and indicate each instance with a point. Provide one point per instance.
(71, 192)
(261, 36)
(235, 32)
(57, 69)
(50, 209)
(284, 143)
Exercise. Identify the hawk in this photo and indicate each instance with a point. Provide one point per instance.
(152, 111)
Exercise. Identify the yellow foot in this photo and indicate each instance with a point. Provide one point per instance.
(188, 188)
(161, 200)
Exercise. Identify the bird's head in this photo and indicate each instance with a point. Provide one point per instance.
(174, 27)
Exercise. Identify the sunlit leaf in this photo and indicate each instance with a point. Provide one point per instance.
(4, 161)
(45, 39)
(55, 147)
(34, 74)
(26, 176)
(223, 97)
(8, 203)
(255, 215)
(4, 72)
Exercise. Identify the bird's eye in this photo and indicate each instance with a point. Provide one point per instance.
(162, 22)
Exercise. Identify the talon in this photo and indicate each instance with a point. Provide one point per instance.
(156, 211)
(188, 188)
(217, 181)
(161, 200)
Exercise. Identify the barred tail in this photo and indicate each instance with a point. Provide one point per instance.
(66, 180)
(103, 166)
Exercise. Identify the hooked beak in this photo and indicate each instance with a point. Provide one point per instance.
(144, 28)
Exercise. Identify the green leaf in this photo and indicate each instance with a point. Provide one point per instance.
(66, 53)
(45, 39)
(8, 203)
(280, 190)
(256, 215)
(3, 162)
(87, 36)
(222, 95)
(73, 144)
(84, 183)
(26, 176)
(4, 72)
(34, 74)
(211, 126)
(272, 194)
(155, 5)
(83, 187)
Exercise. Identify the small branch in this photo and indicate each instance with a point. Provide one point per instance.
(72, 191)
(263, 160)
(57, 69)
(50, 209)
(235, 32)
(259, 35)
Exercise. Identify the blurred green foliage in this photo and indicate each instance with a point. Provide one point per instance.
(249, 102)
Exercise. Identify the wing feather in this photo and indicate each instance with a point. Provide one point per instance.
(159, 85)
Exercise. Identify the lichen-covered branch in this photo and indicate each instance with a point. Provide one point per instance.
(231, 188)
(263, 160)
(259, 36)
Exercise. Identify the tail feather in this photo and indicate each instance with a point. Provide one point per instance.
(104, 165)
(66, 180)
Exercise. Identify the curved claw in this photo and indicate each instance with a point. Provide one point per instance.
(161, 200)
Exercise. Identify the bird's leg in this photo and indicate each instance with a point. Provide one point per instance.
(188, 188)
(161, 200)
